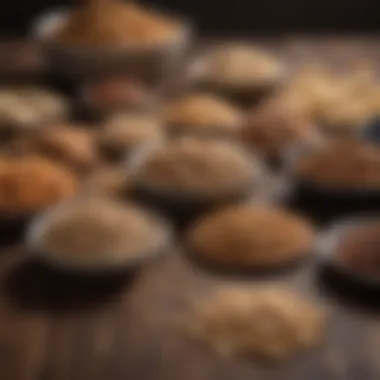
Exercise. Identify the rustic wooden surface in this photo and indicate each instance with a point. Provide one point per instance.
(58, 328)
(55, 327)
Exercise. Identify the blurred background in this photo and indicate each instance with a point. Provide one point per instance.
(236, 17)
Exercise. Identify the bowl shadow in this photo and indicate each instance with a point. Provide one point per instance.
(12, 229)
(346, 290)
(38, 286)
(325, 205)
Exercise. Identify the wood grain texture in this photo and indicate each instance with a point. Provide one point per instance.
(59, 327)
(138, 331)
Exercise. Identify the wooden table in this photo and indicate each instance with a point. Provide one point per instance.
(55, 327)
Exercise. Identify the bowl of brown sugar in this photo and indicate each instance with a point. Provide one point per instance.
(253, 238)
(203, 115)
(108, 36)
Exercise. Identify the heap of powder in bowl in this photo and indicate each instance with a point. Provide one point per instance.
(199, 167)
(96, 233)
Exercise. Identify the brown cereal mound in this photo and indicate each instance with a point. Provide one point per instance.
(112, 181)
(116, 23)
(269, 323)
(71, 146)
(359, 248)
(274, 126)
(342, 164)
(117, 93)
(95, 232)
(198, 166)
(125, 132)
(251, 236)
(30, 183)
(203, 111)
(240, 65)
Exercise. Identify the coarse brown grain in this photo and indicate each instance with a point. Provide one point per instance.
(116, 23)
(198, 167)
(359, 248)
(123, 133)
(66, 144)
(197, 113)
(29, 108)
(31, 183)
(269, 322)
(95, 232)
(240, 65)
(273, 127)
(342, 101)
(109, 181)
(250, 236)
(342, 164)
(117, 93)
